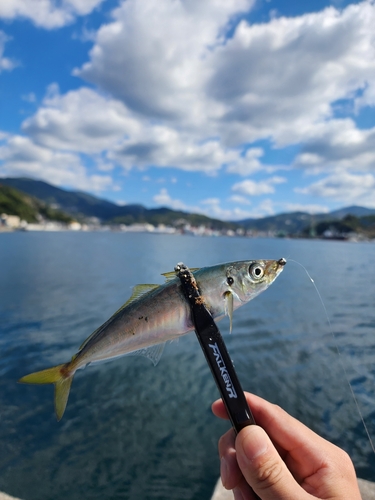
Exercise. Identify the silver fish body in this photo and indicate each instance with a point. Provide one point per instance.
(155, 314)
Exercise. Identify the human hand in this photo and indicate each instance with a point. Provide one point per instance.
(282, 459)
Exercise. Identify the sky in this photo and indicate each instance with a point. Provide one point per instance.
(230, 108)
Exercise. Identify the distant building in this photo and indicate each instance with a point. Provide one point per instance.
(11, 221)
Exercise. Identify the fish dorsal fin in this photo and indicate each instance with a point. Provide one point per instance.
(229, 308)
(138, 291)
(172, 274)
(88, 340)
(153, 353)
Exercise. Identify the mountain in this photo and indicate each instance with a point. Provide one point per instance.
(82, 205)
(288, 223)
(26, 207)
(73, 202)
(353, 210)
(299, 222)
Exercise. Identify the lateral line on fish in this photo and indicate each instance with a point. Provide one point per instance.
(339, 355)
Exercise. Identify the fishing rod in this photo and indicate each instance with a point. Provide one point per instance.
(215, 351)
(216, 354)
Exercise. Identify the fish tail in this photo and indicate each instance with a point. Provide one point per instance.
(62, 379)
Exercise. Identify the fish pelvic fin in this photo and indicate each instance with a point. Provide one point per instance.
(62, 379)
(229, 308)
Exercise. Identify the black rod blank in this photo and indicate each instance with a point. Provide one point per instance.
(215, 351)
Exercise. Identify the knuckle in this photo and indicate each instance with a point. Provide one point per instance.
(346, 464)
(221, 445)
(226, 443)
(269, 474)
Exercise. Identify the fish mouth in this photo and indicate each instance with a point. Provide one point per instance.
(281, 262)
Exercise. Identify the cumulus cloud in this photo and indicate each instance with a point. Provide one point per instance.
(81, 120)
(345, 187)
(164, 146)
(85, 121)
(241, 200)
(212, 207)
(148, 58)
(338, 144)
(47, 13)
(165, 98)
(21, 157)
(163, 198)
(290, 71)
(249, 187)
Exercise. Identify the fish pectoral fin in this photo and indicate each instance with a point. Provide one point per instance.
(153, 353)
(229, 308)
(61, 377)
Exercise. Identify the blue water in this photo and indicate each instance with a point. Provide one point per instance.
(133, 431)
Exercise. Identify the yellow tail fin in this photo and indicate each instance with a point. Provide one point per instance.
(60, 377)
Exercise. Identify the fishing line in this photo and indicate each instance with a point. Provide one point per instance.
(339, 354)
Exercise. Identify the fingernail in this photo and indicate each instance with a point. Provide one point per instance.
(237, 493)
(224, 471)
(254, 443)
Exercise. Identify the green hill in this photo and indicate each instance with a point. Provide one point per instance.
(82, 206)
(13, 202)
(28, 208)
(28, 198)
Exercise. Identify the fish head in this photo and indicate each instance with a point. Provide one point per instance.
(247, 279)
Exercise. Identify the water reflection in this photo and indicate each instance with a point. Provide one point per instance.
(135, 431)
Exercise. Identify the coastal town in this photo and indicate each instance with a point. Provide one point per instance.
(31, 205)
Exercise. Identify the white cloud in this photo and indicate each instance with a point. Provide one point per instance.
(338, 143)
(6, 64)
(265, 207)
(47, 13)
(289, 72)
(85, 121)
(288, 75)
(198, 103)
(249, 187)
(148, 58)
(242, 200)
(30, 97)
(302, 207)
(344, 187)
(212, 208)
(21, 157)
(164, 199)
(164, 146)
(248, 164)
(81, 120)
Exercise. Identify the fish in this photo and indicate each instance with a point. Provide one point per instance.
(155, 314)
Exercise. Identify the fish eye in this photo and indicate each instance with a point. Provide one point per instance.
(256, 271)
(230, 280)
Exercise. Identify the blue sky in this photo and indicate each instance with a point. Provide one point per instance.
(234, 109)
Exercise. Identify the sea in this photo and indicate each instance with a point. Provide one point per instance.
(135, 431)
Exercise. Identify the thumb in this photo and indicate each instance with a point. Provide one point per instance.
(263, 468)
